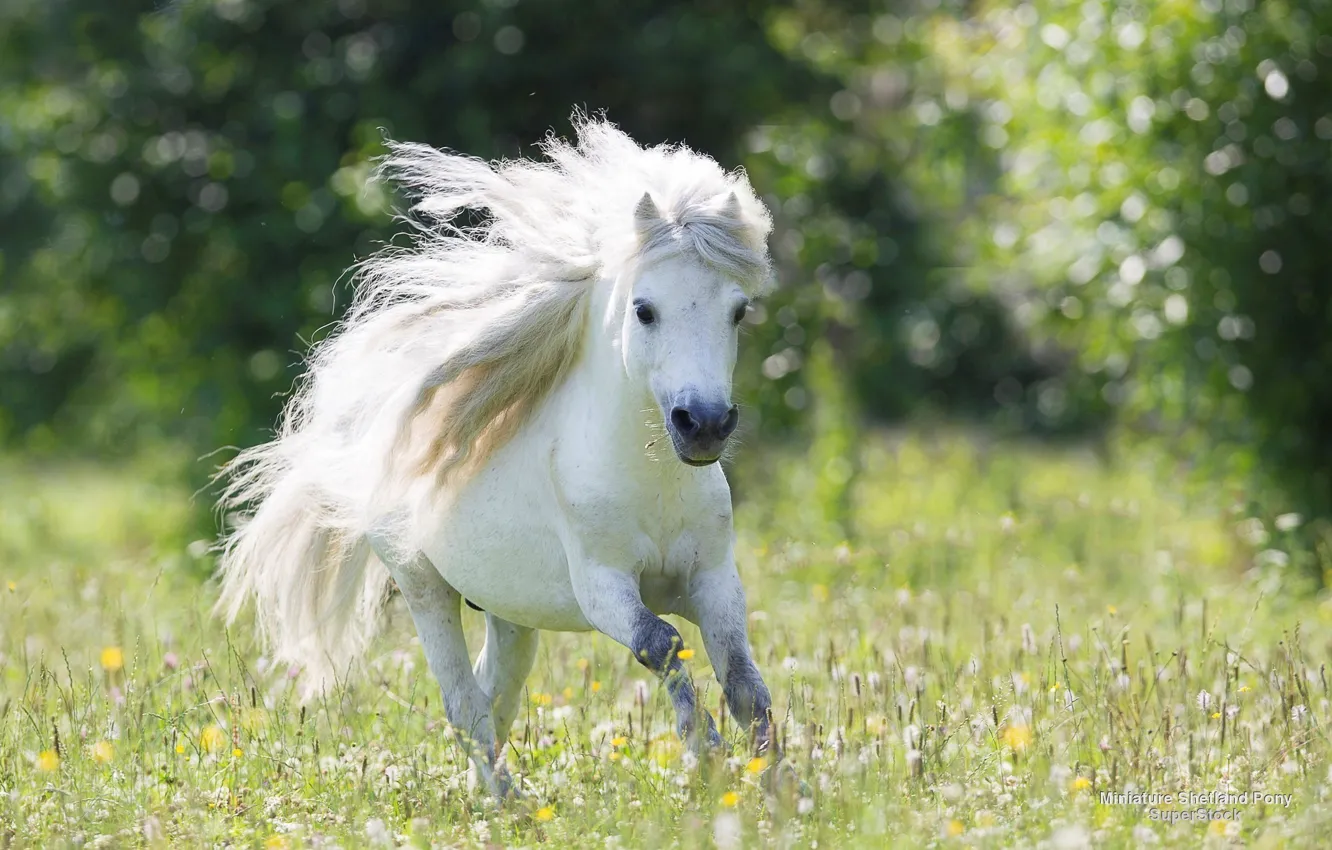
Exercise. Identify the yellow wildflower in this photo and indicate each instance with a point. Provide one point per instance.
(545, 813)
(596, 686)
(103, 752)
(1082, 783)
(212, 738)
(582, 664)
(1111, 610)
(276, 842)
(180, 748)
(237, 753)
(12, 587)
(1017, 737)
(48, 761)
(542, 699)
(730, 799)
(819, 592)
(756, 765)
(112, 659)
(955, 828)
(985, 818)
(568, 693)
(685, 654)
(619, 741)
(1244, 689)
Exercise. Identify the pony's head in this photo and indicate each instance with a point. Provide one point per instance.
(697, 271)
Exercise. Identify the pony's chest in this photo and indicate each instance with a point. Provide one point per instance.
(675, 532)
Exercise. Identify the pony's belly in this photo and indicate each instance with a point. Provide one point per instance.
(517, 574)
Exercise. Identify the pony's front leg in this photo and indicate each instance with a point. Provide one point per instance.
(611, 602)
(436, 610)
(717, 605)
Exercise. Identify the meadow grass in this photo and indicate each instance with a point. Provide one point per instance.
(1008, 634)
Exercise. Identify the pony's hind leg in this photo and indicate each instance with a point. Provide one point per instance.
(436, 610)
(502, 668)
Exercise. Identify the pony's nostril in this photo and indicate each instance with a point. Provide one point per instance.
(728, 424)
(684, 423)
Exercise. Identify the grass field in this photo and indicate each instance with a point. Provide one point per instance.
(1010, 635)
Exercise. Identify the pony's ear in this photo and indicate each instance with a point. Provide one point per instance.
(646, 213)
(731, 207)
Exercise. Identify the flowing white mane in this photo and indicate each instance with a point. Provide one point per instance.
(451, 344)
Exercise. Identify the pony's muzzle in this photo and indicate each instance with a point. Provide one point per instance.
(699, 430)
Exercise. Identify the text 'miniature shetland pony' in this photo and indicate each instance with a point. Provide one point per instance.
(490, 422)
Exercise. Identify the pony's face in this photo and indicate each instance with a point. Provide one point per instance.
(679, 340)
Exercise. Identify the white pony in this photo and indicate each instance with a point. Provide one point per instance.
(490, 421)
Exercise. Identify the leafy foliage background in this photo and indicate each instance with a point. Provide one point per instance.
(1054, 218)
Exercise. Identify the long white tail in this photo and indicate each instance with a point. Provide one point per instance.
(318, 590)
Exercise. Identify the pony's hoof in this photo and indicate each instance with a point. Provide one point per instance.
(504, 789)
(782, 780)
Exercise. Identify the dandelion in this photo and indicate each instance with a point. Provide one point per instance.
(237, 753)
(1082, 783)
(985, 818)
(48, 761)
(685, 654)
(756, 765)
(1216, 715)
(180, 748)
(12, 587)
(276, 842)
(954, 828)
(1244, 689)
(596, 686)
(913, 761)
(103, 752)
(1111, 610)
(545, 813)
(583, 664)
(1204, 700)
(726, 831)
(212, 738)
(542, 699)
(1018, 737)
(619, 741)
(378, 833)
(730, 799)
(113, 659)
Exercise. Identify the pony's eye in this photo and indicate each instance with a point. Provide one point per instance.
(645, 314)
(740, 313)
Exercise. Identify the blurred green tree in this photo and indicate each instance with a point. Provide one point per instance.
(181, 189)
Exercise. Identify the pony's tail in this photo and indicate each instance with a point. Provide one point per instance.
(318, 589)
